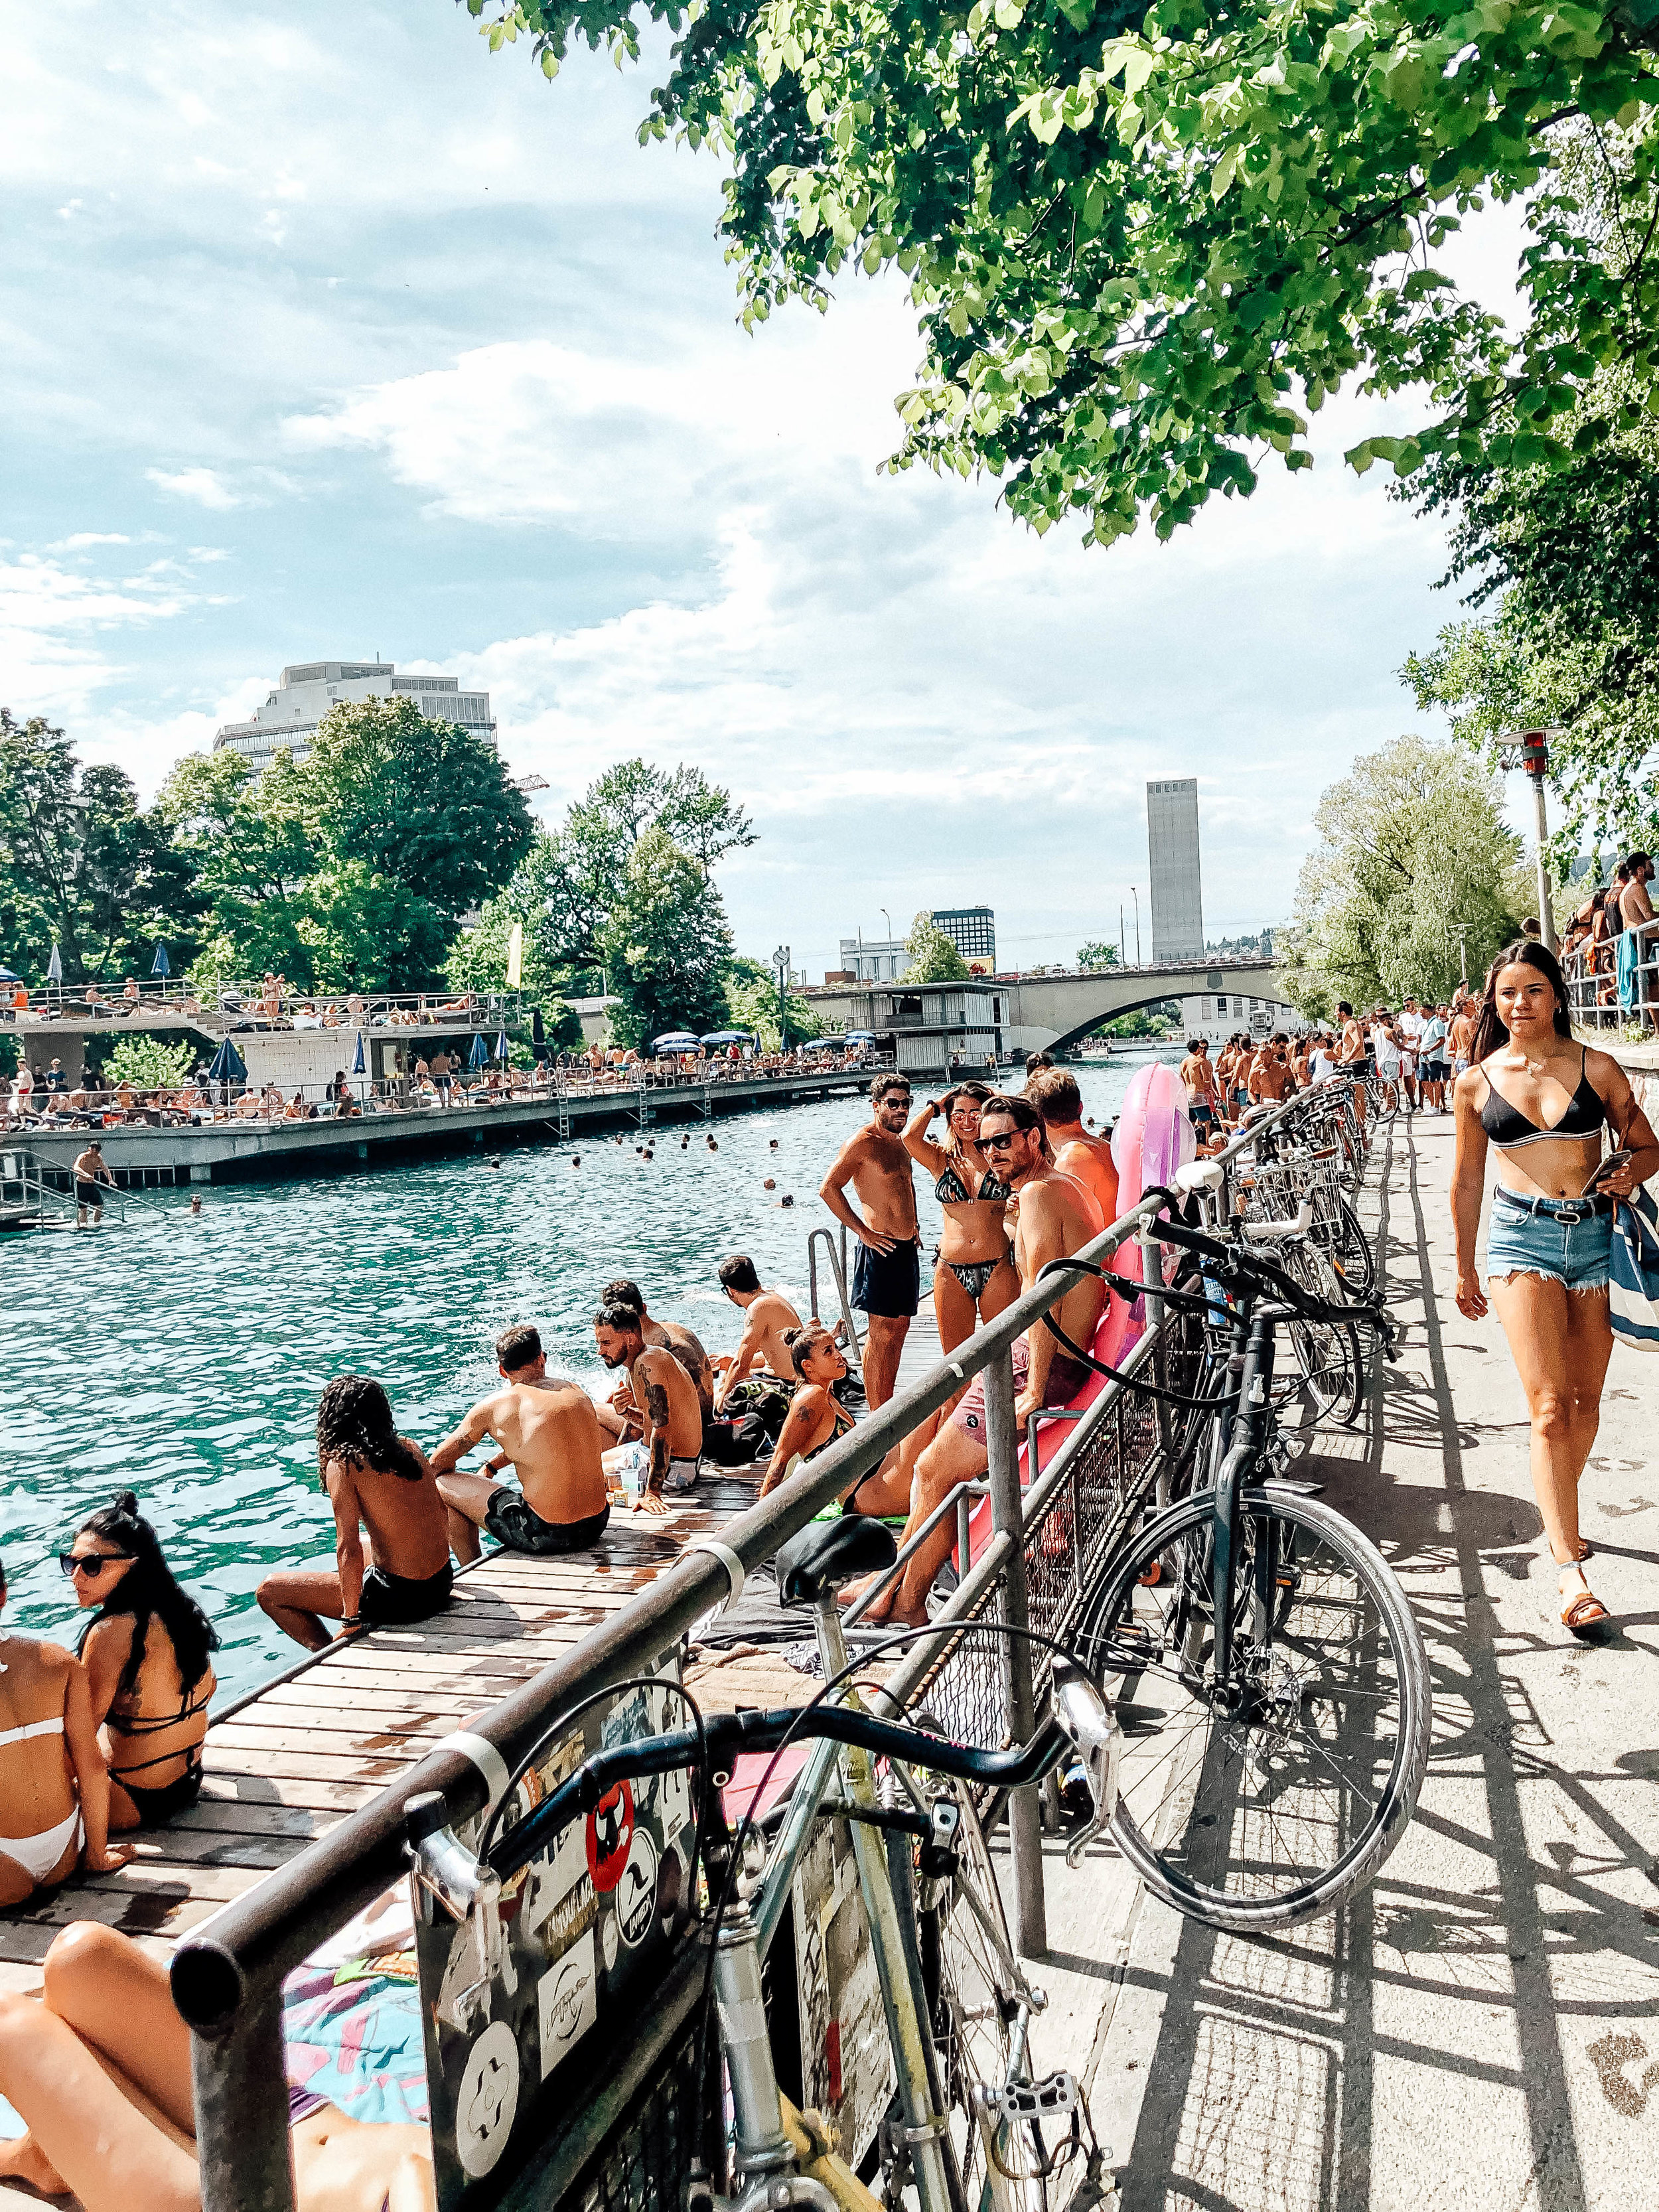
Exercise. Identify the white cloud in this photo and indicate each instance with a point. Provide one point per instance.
(205, 486)
(53, 621)
(85, 538)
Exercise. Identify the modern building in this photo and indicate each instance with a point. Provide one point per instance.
(1173, 855)
(1223, 1013)
(938, 1029)
(973, 931)
(290, 715)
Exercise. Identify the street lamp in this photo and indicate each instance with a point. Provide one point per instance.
(1529, 750)
(780, 962)
(892, 957)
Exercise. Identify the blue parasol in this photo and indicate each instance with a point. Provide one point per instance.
(358, 1067)
(727, 1036)
(675, 1040)
(502, 1047)
(229, 1066)
(479, 1053)
(161, 967)
(860, 1037)
(9, 975)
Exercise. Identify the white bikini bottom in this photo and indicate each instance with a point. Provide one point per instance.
(39, 1854)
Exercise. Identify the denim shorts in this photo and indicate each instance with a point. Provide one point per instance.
(1576, 1252)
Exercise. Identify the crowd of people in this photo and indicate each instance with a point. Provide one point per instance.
(1602, 940)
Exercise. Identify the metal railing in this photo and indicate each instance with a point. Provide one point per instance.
(1036, 1564)
(1596, 997)
(219, 1005)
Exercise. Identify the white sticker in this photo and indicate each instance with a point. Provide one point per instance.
(486, 2099)
(566, 2002)
(551, 1879)
(636, 1893)
(612, 1943)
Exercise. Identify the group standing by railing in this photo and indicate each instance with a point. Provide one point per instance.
(1610, 952)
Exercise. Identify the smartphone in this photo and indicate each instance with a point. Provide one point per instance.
(1610, 1166)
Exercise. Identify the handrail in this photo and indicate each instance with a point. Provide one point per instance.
(226, 1975)
(1587, 1007)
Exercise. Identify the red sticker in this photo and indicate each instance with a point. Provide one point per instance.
(610, 1833)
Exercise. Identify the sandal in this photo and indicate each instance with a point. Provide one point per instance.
(1584, 1612)
(1586, 1550)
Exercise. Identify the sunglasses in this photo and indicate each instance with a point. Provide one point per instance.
(1002, 1143)
(91, 1564)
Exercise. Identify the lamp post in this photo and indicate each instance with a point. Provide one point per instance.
(780, 962)
(892, 957)
(1134, 893)
(1529, 750)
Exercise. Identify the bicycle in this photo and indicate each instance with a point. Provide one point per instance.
(972, 2128)
(1270, 1679)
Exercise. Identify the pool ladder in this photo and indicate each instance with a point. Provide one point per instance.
(837, 1260)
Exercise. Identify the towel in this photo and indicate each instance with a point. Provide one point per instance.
(1627, 983)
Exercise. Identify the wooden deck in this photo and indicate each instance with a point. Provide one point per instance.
(289, 1765)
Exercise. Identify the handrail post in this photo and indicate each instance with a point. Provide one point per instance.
(1024, 1805)
(239, 2084)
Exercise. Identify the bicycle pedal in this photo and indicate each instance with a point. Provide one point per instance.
(1052, 2097)
(1149, 1576)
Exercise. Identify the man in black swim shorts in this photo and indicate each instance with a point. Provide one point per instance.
(550, 1435)
(89, 1172)
(887, 1271)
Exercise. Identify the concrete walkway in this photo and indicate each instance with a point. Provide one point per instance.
(1481, 2028)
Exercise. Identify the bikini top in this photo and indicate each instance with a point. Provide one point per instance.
(843, 1422)
(951, 1190)
(53, 1727)
(1508, 1127)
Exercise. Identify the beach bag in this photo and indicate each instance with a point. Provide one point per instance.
(1634, 1291)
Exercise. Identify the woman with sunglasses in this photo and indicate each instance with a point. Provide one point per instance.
(974, 1277)
(146, 1656)
(53, 1782)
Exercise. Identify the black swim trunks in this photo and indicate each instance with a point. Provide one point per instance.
(397, 1601)
(887, 1284)
(511, 1520)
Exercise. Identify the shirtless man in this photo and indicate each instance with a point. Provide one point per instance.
(89, 1171)
(1352, 1054)
(621, 1418)
(886, 1274)
(766, 1316)
(667, 1399)
(1460, 1037)
(550, 1435)
(1271, 1079)
(1077, 1152)
(1636, 907)
(1199, 1076)
(1057, 1217)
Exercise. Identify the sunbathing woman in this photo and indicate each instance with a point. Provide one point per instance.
(146, 1657)
(975, 1278)
(100, 2074)
(52, 1776)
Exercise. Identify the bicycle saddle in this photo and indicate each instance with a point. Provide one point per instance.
(829, 1552)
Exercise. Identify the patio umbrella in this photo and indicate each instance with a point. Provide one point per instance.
(726, 1036)
(675, 1040)
(501, 1046)
(55, 967)
(161, 967)
(479, 1053)
(9, 975)
(229, 1066)
(860, 1037)
(537, 1031)
(358, 1067)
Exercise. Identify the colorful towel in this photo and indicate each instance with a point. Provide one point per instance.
(1628, 987)
(354, 2036)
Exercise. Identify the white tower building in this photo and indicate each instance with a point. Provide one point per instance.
(290, 715)
(1172, 850)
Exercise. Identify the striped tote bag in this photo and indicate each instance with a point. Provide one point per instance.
(1635, 1286)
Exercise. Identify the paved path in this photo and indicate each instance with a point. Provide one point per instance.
(1482, 2028)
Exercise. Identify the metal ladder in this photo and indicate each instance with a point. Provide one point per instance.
(838, 1272)
(29, 1201)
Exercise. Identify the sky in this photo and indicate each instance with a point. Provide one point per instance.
(326, 335)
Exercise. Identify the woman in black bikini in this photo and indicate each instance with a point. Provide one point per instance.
(1542, 1103)
(146, 1657)
(975, 1276)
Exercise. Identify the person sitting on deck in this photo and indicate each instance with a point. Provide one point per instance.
(380, 1481)
(767, 1319)
(147, 1659)
(98, 2069)
(550, 1436)
(54, 1784)
(672, 1336)
(1057, 1217)
(817, 1417)
(671, 1437)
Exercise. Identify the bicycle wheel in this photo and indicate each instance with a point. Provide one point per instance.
(1328, 1383)
(1277, 1794)
(1351, 1250)
(981, 2024)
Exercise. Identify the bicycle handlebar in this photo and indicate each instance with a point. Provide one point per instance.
(727, 1734)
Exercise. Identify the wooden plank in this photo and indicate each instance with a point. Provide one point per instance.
(313, 1792)
(276, 1764)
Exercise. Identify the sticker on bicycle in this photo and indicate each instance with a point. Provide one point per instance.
(611, 1834)
(636, 1891)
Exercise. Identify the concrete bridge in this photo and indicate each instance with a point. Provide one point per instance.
(1041, 1012)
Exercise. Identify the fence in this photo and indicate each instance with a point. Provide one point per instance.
(1046, 1547)
(1592, 985)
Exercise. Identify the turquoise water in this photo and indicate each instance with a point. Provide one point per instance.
(182, 1357)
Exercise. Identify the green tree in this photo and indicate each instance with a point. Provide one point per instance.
(421, 804)
(664, 944)
(1160, 1020)
(1412, 842)
(1146, 243)
(1096, 955)
(366, 930)
(751, 1002)
(254, 853)
(934, 956)
(81, 866)
(148, 1062)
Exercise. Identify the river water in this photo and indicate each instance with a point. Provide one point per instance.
(182, 1356)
